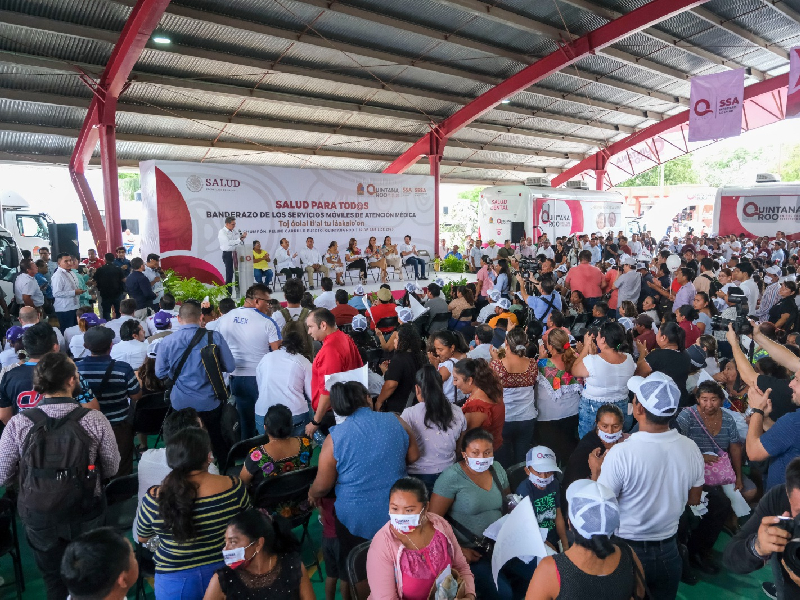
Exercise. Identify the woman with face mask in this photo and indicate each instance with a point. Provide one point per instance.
(595, 566)
(188, 512)
(607, 432)
(471, 495)
(262, 560)
(413, 548)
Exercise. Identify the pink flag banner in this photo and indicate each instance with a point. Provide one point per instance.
(793, 95)
(716, 106)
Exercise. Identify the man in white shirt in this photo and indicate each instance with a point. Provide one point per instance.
(636, 245)
(742, 274)
(483, 343)
(66, 292)
(653, 475)
(312, 262)
(133, 348)
(408, 253)
(126, 308)
(250, 334)
(475, 254)
(26, 291)
(155, 275)
(327, 299)
(229, 238)
(597, 252)
(285, 261)
(544, 248)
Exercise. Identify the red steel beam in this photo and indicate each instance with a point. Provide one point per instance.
(99, 124)
(601, 157)
(610, 33)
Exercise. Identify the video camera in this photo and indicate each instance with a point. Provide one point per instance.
(528, 266)
(741, 324)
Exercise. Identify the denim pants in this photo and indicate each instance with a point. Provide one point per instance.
(662, 566)
(587, 413)
(299, 423)
(512, 581)
(244, 390)
(417, 263)
(263, 276)
(66, 319)
(188, 584)
(517, 440)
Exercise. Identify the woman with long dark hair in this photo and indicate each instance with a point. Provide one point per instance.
(187, 513)
(398, 381)
(670, 358)
(484, 407)
(437, 425)
(784, 314)
(376, 259)
(353, 259)
(464, 299)
(445, 349)
(685, 316)
(705, 312)
(262, 559)
(502, 278)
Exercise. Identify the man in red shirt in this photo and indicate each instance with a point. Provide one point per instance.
(386, 308)
(343, 312)
(338, 354)
(643, 326)
(93, 262)
(586, 279)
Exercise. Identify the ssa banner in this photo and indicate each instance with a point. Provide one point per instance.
(716, 106)
(185, 206)
(793, 94)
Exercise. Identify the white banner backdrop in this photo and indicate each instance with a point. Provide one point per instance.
(716, 106)
(185, 205)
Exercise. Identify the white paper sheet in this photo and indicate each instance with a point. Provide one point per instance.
(493, 530)
(518, 538)
(738, 503)
(701, 508)
(360, 375)
(416, 308)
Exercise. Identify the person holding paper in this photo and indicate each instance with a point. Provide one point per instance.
(715, 433)
(409, 553)
(595, 566)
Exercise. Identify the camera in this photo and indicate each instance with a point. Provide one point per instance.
(741, 324)
(791, 553)
(528, 266)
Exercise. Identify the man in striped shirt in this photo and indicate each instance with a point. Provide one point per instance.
(114, 395)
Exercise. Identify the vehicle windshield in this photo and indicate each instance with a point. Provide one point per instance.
(32, 226)
(6, 247)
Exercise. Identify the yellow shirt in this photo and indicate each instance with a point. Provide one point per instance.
(260, 260)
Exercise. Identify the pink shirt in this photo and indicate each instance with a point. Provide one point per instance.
(486, 283)
(611, 277)
(586, 279)
(420, 568)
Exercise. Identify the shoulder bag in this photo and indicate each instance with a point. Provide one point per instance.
(720, 472)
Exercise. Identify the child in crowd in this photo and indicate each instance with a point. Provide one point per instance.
(543, 489)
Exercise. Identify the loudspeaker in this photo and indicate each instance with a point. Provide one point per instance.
(517, 231)
(63, 238)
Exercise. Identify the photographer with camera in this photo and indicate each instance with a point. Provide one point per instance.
(544, 300)
(766, 537)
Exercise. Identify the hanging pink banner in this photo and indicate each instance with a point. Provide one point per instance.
(715, 105)
(793, 96)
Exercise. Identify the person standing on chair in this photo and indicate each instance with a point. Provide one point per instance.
(229, 238)
(66, 291)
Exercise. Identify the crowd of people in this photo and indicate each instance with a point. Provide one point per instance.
(639, 396)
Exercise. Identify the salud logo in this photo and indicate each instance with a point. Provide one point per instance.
(194, 183)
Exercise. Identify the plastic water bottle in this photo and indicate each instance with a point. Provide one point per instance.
(318, 437)
(153, 543)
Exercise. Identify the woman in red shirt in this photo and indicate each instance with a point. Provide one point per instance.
(484, 407)
(686, 316)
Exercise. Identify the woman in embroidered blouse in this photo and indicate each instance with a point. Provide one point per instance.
(354, 261)
(517, 375)
(376, 258)
(335, 261)
(282, 454)
(558, 395)
(484, 407)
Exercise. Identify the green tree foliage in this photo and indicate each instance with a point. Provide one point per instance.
(129, 184)
(677, 171)
(732, 167)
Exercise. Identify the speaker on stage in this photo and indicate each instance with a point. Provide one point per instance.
(517, 231)
(63, 238)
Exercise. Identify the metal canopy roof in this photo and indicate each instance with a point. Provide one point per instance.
(353, 84)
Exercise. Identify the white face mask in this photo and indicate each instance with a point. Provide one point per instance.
(609, 438)
(339, 418)
(235, 558)
(405, 523)
(479, 465)
(541, 481)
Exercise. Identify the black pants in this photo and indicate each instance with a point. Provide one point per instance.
(295, 272)
(106, 304)
(561, 436)
(704, 536)
(212, 421)
(227, 259)
(48, 545)
(359, 264)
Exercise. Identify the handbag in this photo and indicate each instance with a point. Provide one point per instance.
(460, 585)
(720, 472)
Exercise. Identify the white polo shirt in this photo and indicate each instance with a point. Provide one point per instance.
(25, 285)
(150, 326)
(310, 256)
(651, 474)
(326, 300)
(132, 352)
(248, 333)
(406, 248)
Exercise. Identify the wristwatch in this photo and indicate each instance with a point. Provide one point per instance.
(314, 423)
(757, 411)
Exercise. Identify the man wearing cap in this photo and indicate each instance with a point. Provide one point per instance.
(503, 311)
(165, 305)
(66, 292)
(653, 475)
(543, 489)
(357, 301)
(162, 325)
(116, 388)
(385, 308)
(9, 356)
(487, 312)
(629, 283)
(327, 299)
(770, 297)
(338, 353)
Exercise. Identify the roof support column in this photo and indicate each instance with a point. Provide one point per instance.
(600, 172)
(108, 161)
(435, 154)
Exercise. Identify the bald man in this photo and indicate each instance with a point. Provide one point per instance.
(30, 316)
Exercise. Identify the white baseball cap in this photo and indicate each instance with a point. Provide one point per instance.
(359, 291)
(411, 287)
(611, 262)
(562, 268)
(657, 392)
(153, 347)
(541, 459)
(628, 260)
(593, 509)
(405, 315)
(774, 270)
(504, 303)
(494, 295)
(439, 281)
(626, 322)
(359, 323)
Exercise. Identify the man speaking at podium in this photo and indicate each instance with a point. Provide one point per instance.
(229, 237)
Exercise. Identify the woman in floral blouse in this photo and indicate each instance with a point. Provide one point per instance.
(282, 454)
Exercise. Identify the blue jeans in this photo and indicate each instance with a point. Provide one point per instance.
(245, 392)
(517, 440)
(512, 581)
(417, 263)
(66, 319)
(587, 412)
(299, 423)
(188, 584)
(263, 276)
(662, 566)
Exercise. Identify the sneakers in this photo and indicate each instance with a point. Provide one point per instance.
(770, 590)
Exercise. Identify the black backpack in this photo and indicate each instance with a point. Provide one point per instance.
(56, 484)
(713, 286)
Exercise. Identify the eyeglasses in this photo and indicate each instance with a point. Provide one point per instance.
(256, 299)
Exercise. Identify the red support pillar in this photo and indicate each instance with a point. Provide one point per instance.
(108, 160)
(600, 175)
(435, 153)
